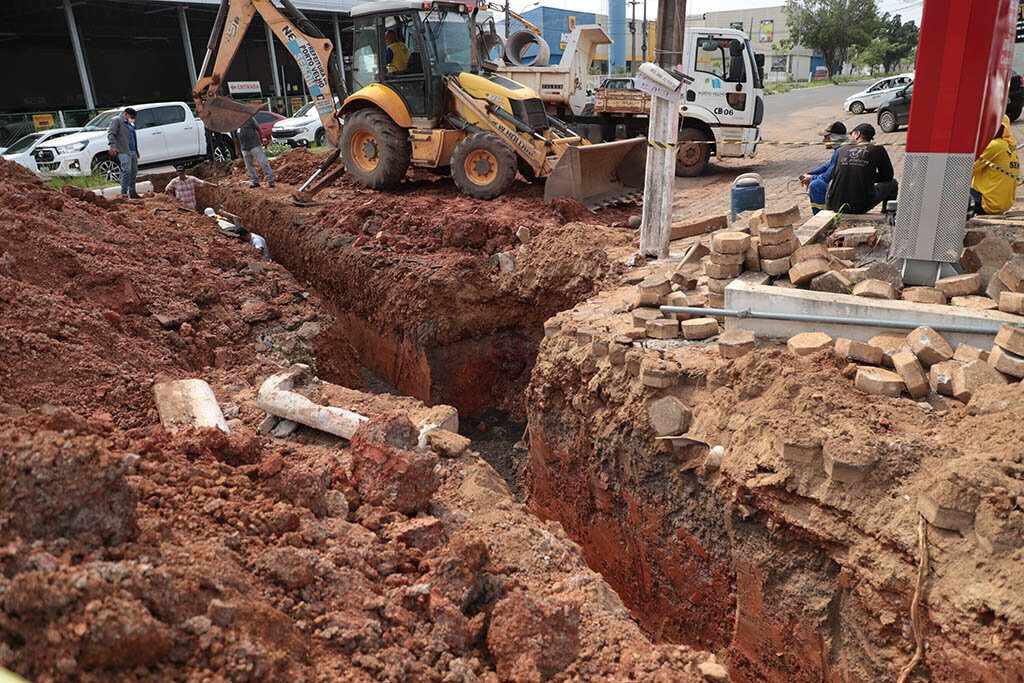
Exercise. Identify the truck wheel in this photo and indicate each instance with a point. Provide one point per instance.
(857, 108)
(221, 152)
(375, 149)
(1013, 111)
(692, 158)
(107, 166)
(887, 122)
(320, 139)
(483, 166)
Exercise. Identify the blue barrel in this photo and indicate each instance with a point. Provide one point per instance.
(747, 194)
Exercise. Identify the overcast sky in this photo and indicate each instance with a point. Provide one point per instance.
(909, 10)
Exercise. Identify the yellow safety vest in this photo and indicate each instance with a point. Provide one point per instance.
(998, 190)
(399, 56)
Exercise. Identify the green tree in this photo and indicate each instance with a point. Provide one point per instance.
(832, 27)
(901, 39)
(874, 53)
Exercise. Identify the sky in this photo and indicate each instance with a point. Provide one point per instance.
(907, 9)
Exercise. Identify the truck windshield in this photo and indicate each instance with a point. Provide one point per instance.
(101, 122)
(23, 144)
(448, 40)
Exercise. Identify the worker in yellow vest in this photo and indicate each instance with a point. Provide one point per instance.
(396, 57)
(994, 185)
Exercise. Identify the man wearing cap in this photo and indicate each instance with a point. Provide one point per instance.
(816, 181)
(183, 187)
(862, 175)
(124, 146)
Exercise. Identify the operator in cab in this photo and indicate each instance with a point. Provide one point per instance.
(862, 175)
(994, 185)
(396, 57)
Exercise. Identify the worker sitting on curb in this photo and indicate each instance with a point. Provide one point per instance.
(233, 224)
(994, 185)
(862, 175)
(183, 187)
(816, 181)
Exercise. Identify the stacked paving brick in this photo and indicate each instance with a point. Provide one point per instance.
(724, 263)
(659, 290)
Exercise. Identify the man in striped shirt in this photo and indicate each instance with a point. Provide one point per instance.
(183, 187)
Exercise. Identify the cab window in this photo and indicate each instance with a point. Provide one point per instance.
(364, 53)
(719, 57)
(401, 53)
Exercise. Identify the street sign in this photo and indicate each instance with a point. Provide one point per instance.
(645, 84)
(244, 87)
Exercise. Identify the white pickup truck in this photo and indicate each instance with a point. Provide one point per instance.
(167, 132)
(302, 129)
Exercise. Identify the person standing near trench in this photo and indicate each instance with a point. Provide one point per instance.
(247, 143)
(124, 146)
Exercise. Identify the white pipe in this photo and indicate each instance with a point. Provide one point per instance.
(277, 398)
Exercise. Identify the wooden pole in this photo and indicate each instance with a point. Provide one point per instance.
(659, 177)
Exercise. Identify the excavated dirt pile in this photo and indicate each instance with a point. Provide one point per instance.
(128, 552)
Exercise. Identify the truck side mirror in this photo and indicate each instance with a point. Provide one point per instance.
(709, 45)
(759, 60)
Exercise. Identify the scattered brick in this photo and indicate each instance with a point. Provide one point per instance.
(722, 272)
(800, 449)
(874, 289)
(717, 286)
(700, 226)
(995, 288)
(1011, 302)
(663, 328)
(878, 381)
(1018, 246)
(727, 259)
(975, 302)
(669, 416)
(778, 266)
(992, 251)
(833, 281)
(940, 377)
(816, 226)
(853, 237)
(845, 253)
(730, 242)
(770, 236)
(1006, 362)
(969, 377)
(858, 351)
(805, 271)
(807, 343)
(699, 328)
(889, 343)
(945, 512)
(913, 375)
(959, 285)
(642, 299)
(774, 251)
(810, 252)
(1012, 274)
(776, 219)
(757, 219)
(751, 257)
(924, 295)
(641, 316)
(929, 346)
(716, 300)
(965, 353)
(658, 374)
(656, 284)
(736, 343)
(1011, 338)
(634, 357)
(847, 462)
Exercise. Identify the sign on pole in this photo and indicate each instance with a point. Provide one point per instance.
(244, 88)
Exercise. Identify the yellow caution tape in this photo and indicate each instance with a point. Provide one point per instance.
(1020, 181)
(670, 145)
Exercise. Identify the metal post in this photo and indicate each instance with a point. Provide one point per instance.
(76, 45)
(186, 38)
(273, 59)
(632, 37)
(643, 46)
(340, 54)
(507, 19)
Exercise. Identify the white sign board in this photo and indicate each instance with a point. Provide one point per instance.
(647, 85)
(244, 87)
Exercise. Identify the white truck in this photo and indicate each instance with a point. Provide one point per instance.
(720, 111)
(166, 132)
(302, 129)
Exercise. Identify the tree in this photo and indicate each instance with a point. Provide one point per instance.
(832, 27)
(901, 39)
(874, 53)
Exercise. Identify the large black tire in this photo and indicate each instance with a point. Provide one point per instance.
(483, 166)
(887, 122)
(692, 159)
(222, 151)
(857, 108)
(107, 166)
(375, 149)
(1013, 111)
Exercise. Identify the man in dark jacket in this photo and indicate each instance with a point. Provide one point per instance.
(862, 176)
(125, 147)
(251, 149)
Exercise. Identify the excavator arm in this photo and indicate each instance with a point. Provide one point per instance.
(308, 47)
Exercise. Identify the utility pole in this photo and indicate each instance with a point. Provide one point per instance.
(644, 45)
(668, 48)
(632, 36)
(507, 19)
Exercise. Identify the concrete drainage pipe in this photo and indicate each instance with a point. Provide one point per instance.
(521, 42)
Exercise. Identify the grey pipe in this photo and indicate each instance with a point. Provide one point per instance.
(833, 319)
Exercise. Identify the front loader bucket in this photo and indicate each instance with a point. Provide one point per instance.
(224, 114)
(599, 175)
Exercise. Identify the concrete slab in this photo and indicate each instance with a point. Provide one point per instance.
(743, 295)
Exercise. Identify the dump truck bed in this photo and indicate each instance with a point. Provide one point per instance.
(621, 101)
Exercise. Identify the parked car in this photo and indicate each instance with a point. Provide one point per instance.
(1016, 100)
(167, 132)
(302, 129)
(879, 92)
(895, 112)
(21, 151)
(266, 121)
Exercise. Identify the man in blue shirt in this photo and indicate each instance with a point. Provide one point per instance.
(816, 181)
(123, 144)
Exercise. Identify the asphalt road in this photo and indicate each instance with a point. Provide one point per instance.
(797, 113)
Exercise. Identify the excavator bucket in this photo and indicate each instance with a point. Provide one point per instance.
(224, 114)
(599, 175)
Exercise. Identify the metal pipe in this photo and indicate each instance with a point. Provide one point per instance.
(832, 319)
(218, 23)
(186, 39)
(76, 45)
(273, 59)
(342, 84)
(305, 24)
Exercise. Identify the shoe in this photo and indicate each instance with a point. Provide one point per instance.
(270, 184)
(135, 195)
(254, 184)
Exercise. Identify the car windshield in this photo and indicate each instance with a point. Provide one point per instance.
(305, 109)
(24, 143)
(100, 122)
(448, 40)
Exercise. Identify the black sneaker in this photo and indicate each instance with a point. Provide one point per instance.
(270, 184)
(254, 184)
(135, 195)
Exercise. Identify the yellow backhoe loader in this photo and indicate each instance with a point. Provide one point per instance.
(425, 98)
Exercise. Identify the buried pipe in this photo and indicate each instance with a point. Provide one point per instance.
(832, 319)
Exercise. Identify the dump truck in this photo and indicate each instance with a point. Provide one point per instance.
(720, 112)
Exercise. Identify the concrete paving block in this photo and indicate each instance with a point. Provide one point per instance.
(599, 347)
(716, 300)
(993, 251)
(736, 343)
(730, 242)
(1007, 362)
(810, 252)
(805, 271)
(802, 449)
(845, 253)
(658, 284)
(634, 357)
(721, 259)
(878, 381)
(807, 343)
(720, 272)
(929, 346)
(853, 237)
(752, 257)
(699, 226)
(642, 299)
(969, 377)
(658, 374)
(946, 509)
(770, 236)
(846, 462)
(940, 377)
(855, 275)
(832, 281)
(716, 285)
(756, 220)
(617, 350)
(924, 295)
(1012, 274)
(995, 288)
(776, 219)
(889, 343)
(1011, 302)
(1018, 246)
(641, 316)
(1011, 338)
(668, 416)
(886, 272)
(815, 227)
(775, 251)
(913, 375)
(699, 328)
(778, 266)
(959, 285)
(585, 335)
(663, 328)
(975, 301)
(552, 328)
(874, 289)
(858, 351)
(965, 353)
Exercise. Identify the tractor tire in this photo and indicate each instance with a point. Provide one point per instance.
(691, 160)
(375, 149)
(887, 122)
(107, 166)
(483, 166)
(857, 108)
